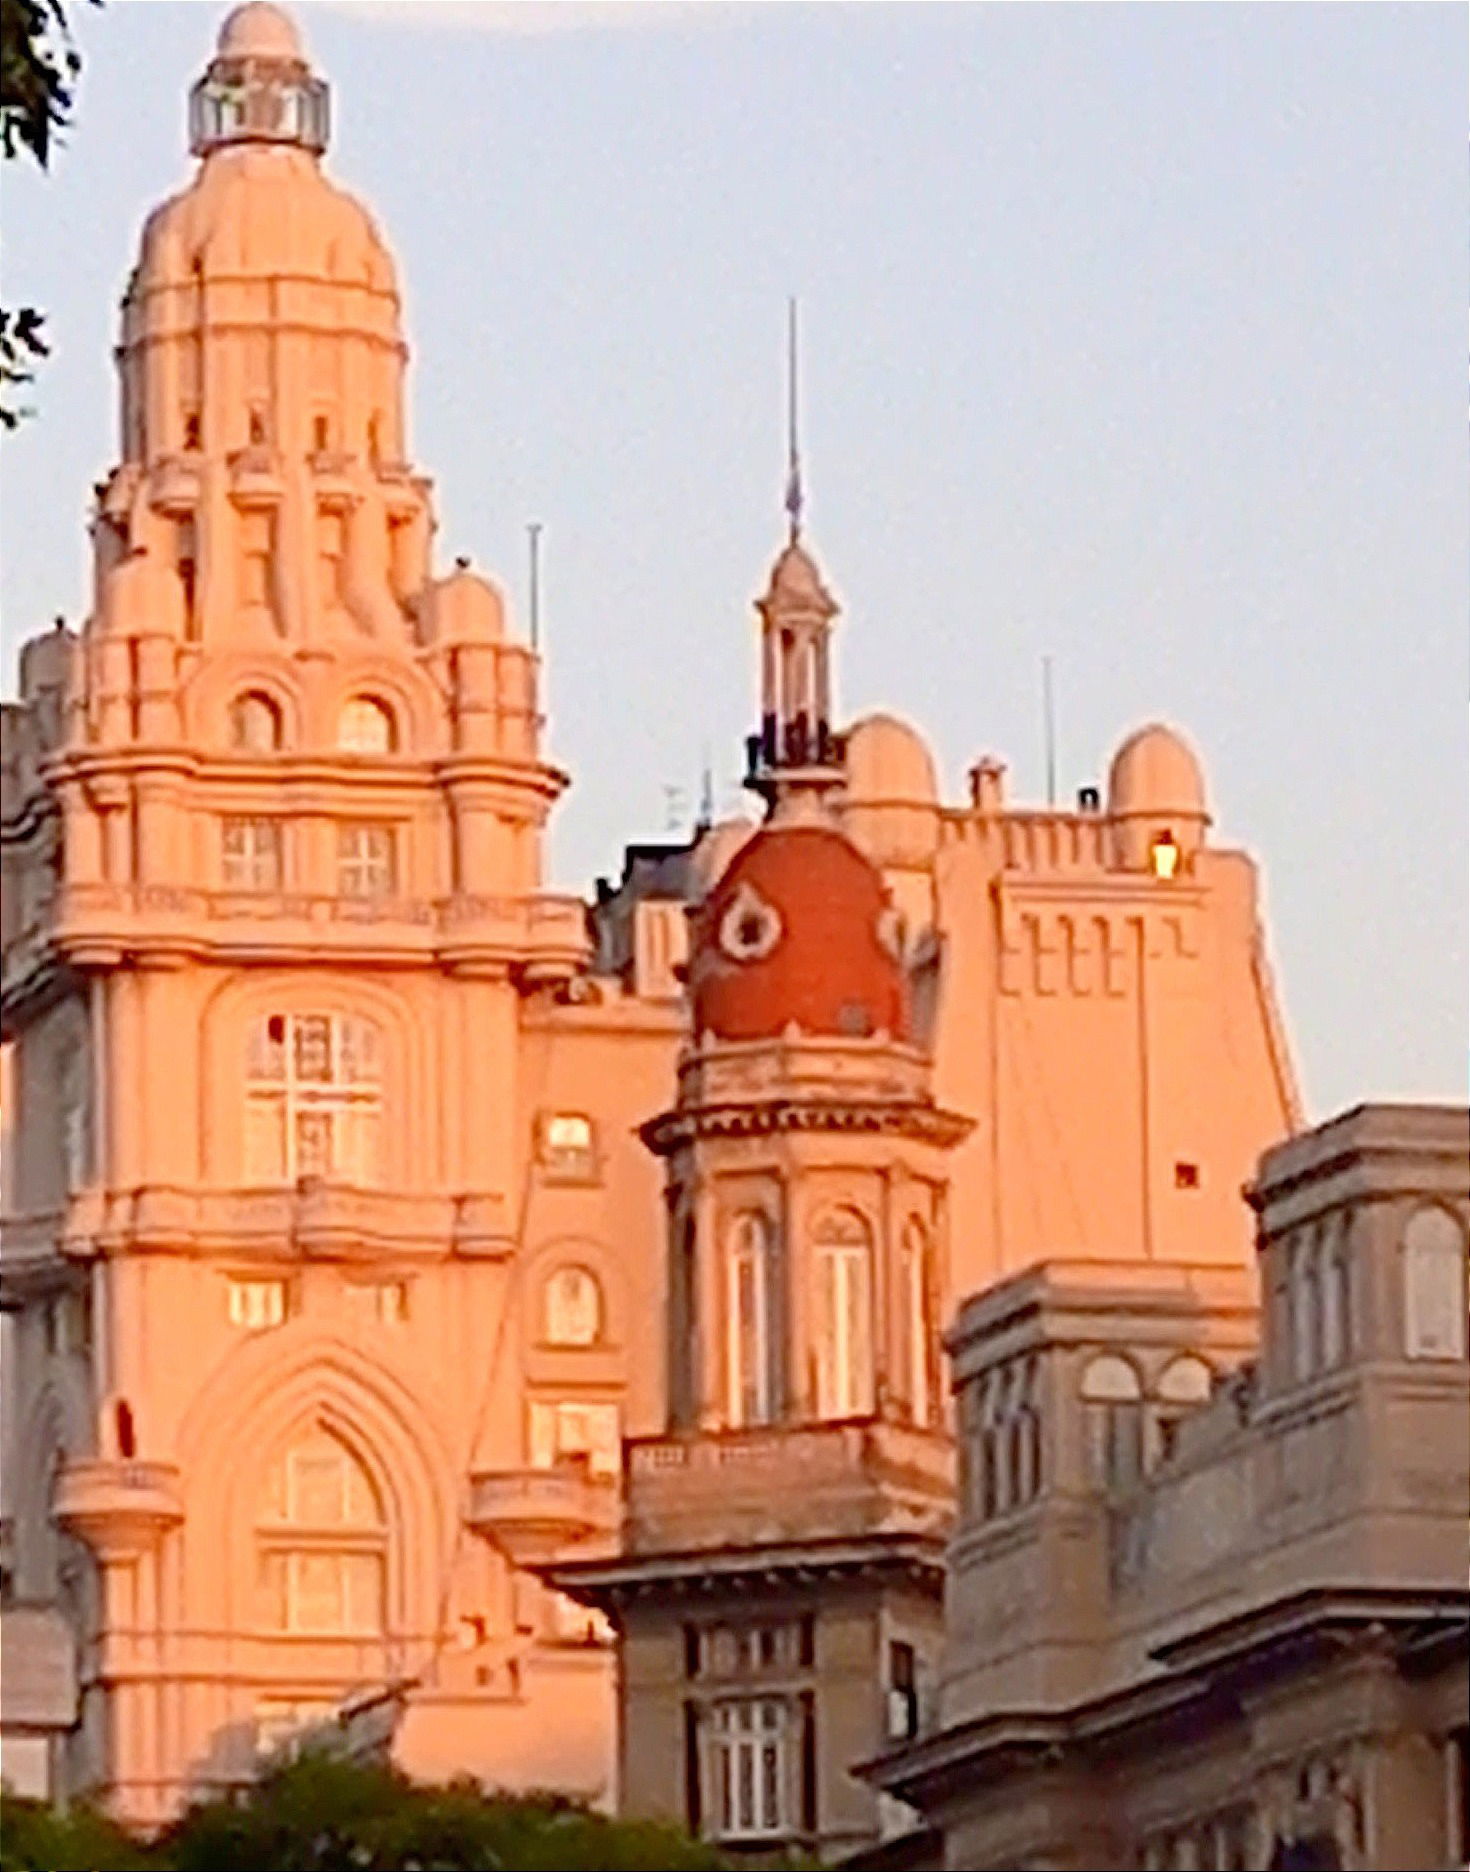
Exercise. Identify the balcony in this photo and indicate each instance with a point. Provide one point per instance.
(543, 937)
(536, 1515)
(776, 1484)
(121, 1509)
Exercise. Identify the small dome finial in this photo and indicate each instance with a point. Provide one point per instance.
(260, 30)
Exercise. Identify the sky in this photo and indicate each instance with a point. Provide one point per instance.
(1132, 336)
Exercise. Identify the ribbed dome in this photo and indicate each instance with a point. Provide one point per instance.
(1156, 772)
(796, 934)
(263, 210)
(889, 764)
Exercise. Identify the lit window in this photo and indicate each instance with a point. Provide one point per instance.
(573, 1308)
(1434, 1286)
(257, 1303)
(568, 1430)
(1113, 1407)
(313, 1099)
(365, 867)
(255, 724)
(749, 1347)
(251, 850)
(750, 1768)
(567, 1145)
(321, 1543)
(365, 727)
(844, 1317)
(1164, 855)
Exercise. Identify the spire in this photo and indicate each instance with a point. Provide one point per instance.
(794, 494)
(795, 760)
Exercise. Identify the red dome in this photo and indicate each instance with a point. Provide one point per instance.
(798, 930)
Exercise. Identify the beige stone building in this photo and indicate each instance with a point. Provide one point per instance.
(362, 1192)
(1212, 1613)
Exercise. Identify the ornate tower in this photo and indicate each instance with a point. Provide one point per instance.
(272, 905)
(778, 1593)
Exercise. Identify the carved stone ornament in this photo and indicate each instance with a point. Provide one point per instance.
(750, 928)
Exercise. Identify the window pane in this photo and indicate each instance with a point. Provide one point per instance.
(268, 1049)
(318, 1600)
(313, 1143)
(265, 1140)
(312, 1034)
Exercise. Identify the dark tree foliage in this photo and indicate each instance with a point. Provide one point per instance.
(38, 74)
(324, 1814)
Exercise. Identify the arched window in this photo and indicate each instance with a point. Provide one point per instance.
(1112, 1402)
(1434, 1285)
(321, 1542)
(844, 1315)
(915, 1387)
(365, 726)
(751, 1344)
(314, 1099)
(1183, 1386)
(255, 724)
(573, 1308)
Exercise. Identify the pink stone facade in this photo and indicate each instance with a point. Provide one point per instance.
(334, 1262)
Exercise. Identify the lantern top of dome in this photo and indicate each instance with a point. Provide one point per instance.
(259, 86)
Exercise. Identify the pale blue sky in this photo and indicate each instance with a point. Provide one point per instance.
(1133, 335)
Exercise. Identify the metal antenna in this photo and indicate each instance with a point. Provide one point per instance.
(707, 793)
(793, 453)
(533, 533)
(1049, 731)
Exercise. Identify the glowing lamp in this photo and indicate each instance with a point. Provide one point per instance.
(1164, 855)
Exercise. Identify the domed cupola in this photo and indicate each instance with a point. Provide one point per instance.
(799, 934)
(258, 88)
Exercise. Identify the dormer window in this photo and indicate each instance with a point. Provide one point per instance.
(255, 724)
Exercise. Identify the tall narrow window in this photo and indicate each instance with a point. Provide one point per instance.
(1113, 1405)
(321, 1543)
(365, 859)
(913, 1323)
(751, 1770)
(251, 854)
(332, 557)
(75, 1094)
(844, 1264)
(313, 1099)
(751, 1341)
(1434, 1286)
(186, 561)
(257, 545)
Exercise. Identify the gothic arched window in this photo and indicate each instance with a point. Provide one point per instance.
(314, 1099)
(752, 1342)
(321, 1542)
(844, 1315)
(1434, 1285)
(573, 1308)
(1112, 1403)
